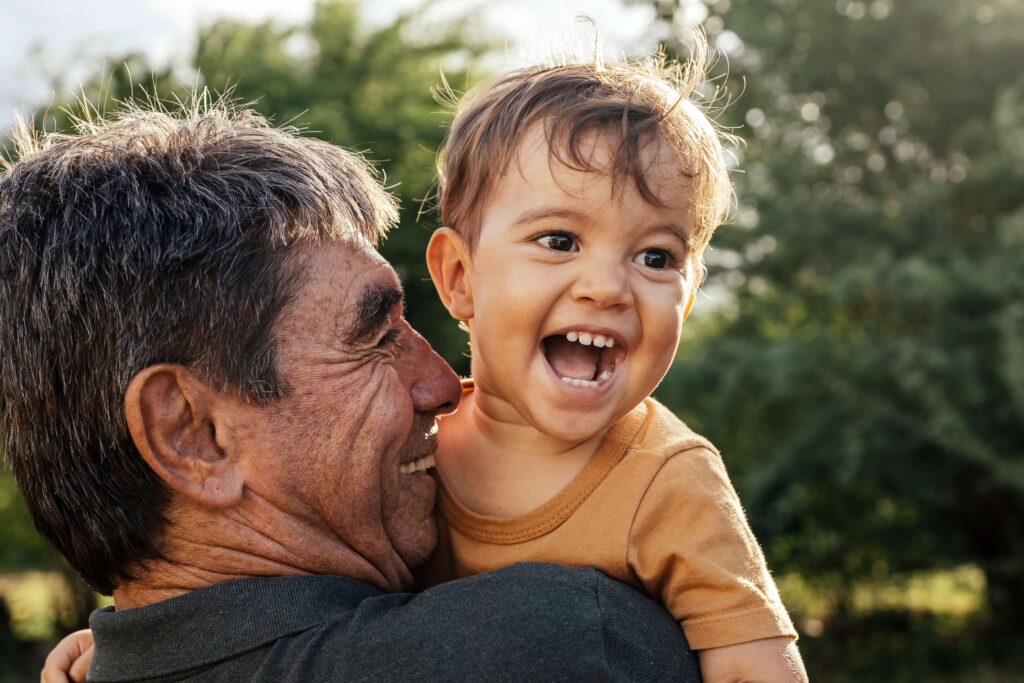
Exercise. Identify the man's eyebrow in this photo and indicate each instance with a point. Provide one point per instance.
(373, 312)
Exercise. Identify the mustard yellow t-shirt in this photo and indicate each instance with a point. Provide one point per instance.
(653, 508)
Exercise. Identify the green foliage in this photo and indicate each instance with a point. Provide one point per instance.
(864, 374)
(21, 547)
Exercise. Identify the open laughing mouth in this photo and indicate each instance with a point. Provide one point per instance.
(583, 359)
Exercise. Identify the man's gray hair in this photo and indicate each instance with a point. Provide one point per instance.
(152, 236)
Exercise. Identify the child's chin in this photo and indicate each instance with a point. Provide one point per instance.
(571, 429)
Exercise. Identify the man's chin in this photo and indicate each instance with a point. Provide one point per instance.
(415, 541)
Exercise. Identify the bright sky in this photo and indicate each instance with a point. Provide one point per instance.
(68, 40)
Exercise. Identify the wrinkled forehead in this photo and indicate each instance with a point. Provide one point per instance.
(330, 287)
(339, 259)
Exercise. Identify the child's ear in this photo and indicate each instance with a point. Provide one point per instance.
(448, 263)
(689, 304)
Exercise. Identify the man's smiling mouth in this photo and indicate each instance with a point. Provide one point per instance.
(418, 465)
(427, 447)
(583, 359)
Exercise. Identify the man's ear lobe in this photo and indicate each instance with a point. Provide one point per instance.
(448, 263)
(172, 422)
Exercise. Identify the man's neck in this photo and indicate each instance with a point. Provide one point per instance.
(166, 579)
(220, 548)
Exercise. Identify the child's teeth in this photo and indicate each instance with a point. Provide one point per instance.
(580, 382)
(605, 374)
(588, 338)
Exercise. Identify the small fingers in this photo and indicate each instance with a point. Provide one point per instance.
(61, 661)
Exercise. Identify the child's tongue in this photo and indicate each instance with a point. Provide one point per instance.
(570, 359)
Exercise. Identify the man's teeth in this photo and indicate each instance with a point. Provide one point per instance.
(586, 338)
(419, 465)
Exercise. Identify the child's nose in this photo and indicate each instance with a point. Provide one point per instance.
(606, 285)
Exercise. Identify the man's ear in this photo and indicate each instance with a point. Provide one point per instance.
(448, 263)
(172, 422)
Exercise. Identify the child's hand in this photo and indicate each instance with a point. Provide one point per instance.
(69, 661)
(772, 660)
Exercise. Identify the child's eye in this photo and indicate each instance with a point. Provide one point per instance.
(558, 241)
(653, 258)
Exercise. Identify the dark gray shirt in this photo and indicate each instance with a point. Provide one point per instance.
(524, 622)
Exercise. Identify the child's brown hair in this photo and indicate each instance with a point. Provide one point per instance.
(633, 102)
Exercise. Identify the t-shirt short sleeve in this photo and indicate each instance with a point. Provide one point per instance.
(691, 547)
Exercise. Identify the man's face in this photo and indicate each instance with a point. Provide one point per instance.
(362, 393)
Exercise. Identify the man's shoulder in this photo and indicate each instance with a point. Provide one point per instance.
(526, 577)
(523, 622)
(536, 604)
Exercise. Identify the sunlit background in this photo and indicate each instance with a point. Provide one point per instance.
(858, 352)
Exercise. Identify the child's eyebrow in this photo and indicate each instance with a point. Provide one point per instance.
(548, 212)
(676, 231)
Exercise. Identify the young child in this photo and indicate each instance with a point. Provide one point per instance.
(578, 201)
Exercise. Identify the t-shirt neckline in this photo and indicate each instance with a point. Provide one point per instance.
(550, 515)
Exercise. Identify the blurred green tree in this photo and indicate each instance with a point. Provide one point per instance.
(21, 547)
(863, 364)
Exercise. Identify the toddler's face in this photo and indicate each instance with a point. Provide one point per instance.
(578, 292)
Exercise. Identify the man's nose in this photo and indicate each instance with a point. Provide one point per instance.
(433, 385)
(603, 281)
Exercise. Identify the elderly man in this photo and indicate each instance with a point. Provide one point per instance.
(208, 394)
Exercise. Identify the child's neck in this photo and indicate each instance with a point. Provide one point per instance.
(496, 464)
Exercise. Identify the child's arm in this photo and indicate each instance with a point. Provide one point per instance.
(772, 660)
(70, 660)
(691, 547)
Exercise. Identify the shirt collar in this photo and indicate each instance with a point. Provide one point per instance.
(212, 624)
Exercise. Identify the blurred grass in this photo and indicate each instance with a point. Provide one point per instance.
(930, 626)
(40, 604)
(958, 592)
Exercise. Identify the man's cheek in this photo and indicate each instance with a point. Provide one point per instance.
(411, 525)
